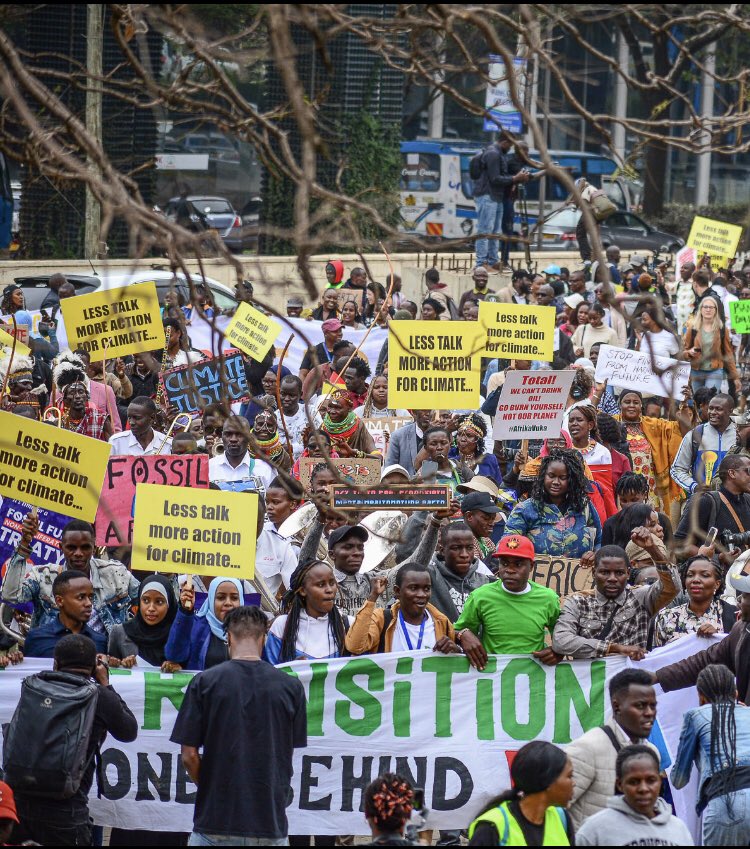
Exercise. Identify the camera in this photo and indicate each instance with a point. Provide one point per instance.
(730, 540)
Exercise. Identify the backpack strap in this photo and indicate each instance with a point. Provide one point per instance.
(387, 619)
(612, 737)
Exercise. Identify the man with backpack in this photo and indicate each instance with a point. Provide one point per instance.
(49, 747)
(493, 181)
(727, 509)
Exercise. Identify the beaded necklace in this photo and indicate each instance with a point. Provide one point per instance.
(342, 430)
(272, 447)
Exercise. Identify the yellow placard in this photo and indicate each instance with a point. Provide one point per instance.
(50, 467)
(716, 238)
(252, 332)
(6, 339)
(197, 531)
(518, 331)
(433, 365)
(116, 322)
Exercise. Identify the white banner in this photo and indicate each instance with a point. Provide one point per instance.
(633, 370)
(431, 717)
(532, 404)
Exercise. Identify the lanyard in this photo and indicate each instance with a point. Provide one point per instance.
(406, 632)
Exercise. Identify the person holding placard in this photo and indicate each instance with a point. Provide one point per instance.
(559, 518)
(653, 445)
(197, 640)
(145, 635)
(436, 450)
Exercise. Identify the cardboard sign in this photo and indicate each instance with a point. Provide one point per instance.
(391, 498)
(532, 404)
(358, 472)
(563, 575)
(50, 467)
(190, 388)
(196, 531)
(383, 428)
(21, 333)
(45, 547)
(432, 365)
(716, 238)
(632, 370)
(251, 331)
(114, 518)
(518, 331)
(739, 314)
(115, 322)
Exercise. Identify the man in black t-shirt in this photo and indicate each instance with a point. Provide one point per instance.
(248, 718)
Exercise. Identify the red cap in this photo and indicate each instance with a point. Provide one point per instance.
(515, 546)
(7, 803)
(331, 325)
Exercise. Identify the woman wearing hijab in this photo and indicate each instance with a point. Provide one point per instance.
(145, 635)
(197, 640)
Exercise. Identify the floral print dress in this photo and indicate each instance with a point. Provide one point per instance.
(553, 532)
(640, 451)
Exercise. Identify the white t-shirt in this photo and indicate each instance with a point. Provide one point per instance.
(661, 344)
(428, 635)
(219, 469)
(275, 559)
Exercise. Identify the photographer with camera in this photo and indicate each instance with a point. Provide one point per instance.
(727, 510)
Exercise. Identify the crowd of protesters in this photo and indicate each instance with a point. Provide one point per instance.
(651, 494)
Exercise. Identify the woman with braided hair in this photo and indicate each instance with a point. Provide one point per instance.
(389, 801)
(716, 738)
(559, 517)
(533, 812)
(311, 626)
(470, 448)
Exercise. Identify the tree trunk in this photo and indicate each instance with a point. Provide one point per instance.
(654, 178)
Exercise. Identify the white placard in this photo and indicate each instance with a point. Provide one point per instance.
(660, 376)
(532, 404)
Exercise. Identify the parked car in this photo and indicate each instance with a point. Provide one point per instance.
(221, 216)
(624, 229)
(35, 287)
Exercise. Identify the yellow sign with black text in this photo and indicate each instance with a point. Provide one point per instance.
(116, 322)
(50, 467)
(518, 331)
(716, 238)
(252, 332)
(6, 340)
(434, 365)
(195, 531)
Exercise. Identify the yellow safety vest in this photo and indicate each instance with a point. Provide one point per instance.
(510, 833)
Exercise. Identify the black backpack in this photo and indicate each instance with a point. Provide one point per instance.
(46, 743)
(476, 165)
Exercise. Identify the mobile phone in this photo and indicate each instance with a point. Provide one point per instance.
(429, 469)
(711, 536)
(418, 798)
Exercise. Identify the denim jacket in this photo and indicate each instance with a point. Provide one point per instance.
(695, 745)
(115, 589)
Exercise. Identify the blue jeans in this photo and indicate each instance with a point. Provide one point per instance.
(489, 215)
(198, 839)
(700, 378)
(507, 228)
(720, 828)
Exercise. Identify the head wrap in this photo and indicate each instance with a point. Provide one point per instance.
(568, 443)
(338, 270)
(207, 608)
(152, 639)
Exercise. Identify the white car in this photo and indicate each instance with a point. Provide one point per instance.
(35, 286)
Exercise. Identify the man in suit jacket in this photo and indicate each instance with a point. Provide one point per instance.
(406, 442)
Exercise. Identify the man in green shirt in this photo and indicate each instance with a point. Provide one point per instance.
(511, 615)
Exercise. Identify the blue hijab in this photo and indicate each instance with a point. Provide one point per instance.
(207, 608)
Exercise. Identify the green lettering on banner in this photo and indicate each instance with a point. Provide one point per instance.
(536, 694)
(158, 688)
(373, 710)
(444, 667)
(569, 693)
(402, 699)
(316, 699)
(486, 702)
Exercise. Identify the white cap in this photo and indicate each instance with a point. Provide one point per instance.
(574, 300)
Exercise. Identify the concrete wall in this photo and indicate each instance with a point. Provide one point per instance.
(277, 278)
